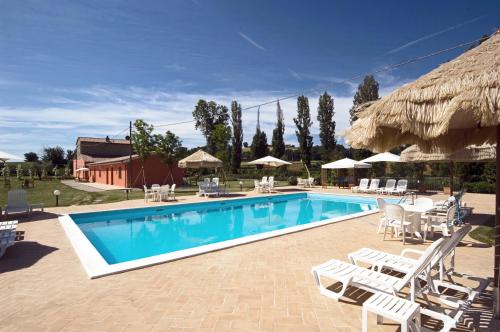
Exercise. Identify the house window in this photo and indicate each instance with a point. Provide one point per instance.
(119, 172)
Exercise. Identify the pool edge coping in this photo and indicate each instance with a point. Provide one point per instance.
(95, 266)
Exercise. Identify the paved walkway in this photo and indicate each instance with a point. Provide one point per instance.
(260, 286)
(91, 187)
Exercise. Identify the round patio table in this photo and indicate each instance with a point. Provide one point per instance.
(413, 213)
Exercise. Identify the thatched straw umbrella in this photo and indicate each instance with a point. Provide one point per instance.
(200, 159)
(453, 106)
(473, 153)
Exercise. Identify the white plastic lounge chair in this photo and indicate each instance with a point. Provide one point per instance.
(264, 179)
(17, 202)
(370, 280)
(212, 190)
(394, 215)
(363, 185)
(8, 225)
(374, 183)
(400, 189)
(389, 185)
(310, 182)
(7, 239)
(402, 263)
(216, 181)
(444, 223)
(258, 186)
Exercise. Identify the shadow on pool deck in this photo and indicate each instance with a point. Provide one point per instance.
(33, 216)
(24, 254)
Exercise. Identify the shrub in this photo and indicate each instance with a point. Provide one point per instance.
(292, 180)
(480, 187)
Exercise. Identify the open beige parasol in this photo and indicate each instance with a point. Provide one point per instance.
(451, 107)
(200, 159)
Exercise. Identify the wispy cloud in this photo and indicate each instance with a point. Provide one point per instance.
(432, 35)
(295, 74)
(251, 41)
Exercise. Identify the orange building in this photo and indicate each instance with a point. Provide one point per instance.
(108, 162)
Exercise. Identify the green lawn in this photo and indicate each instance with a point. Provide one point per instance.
(484, 234)
(43, 193)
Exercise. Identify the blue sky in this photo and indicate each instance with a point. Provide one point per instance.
(85, 68)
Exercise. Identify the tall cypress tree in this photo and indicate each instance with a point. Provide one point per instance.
(304, 123)
(259, 141)
(367, 91)
(326, 125)
(278, 141)
(237, 136)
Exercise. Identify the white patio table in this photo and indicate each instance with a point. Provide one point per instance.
(414, 213)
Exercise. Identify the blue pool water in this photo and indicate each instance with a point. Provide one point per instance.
(125, 235)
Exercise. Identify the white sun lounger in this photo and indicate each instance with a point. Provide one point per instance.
(363, 185)
(7, 239)
(389, 185)
(402, 263)
(17, 202)
(370, 280)
(374, 183)
(400, 189)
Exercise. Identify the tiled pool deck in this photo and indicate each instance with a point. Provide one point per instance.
(264, 285)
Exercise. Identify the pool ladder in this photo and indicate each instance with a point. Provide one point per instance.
(408, 195)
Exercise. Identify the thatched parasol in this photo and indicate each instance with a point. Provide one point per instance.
(200, 159)
(469, 154)
(473, 153)
(453, 106)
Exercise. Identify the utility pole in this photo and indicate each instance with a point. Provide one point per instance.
(130, 155)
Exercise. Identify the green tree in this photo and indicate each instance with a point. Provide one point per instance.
(278, 141)
(207, 115)
(259, 145)
(143, 143)
(237, 140)
(219, 138)
(304, 123)
(168, 147)
(54, 155)
(30, 157)
(326, 125)
(367, 91)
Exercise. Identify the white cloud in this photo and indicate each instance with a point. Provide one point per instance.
(251, 41)
(106, 110)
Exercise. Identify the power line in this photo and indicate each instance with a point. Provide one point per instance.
(351, 79)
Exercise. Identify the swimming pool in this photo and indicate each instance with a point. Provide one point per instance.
(113, 241)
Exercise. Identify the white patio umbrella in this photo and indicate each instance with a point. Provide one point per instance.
(346, 163)
(4, 156)
(381, 157)
(269, 161)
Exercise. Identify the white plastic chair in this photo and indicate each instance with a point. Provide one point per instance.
(164, 191)
(383, 220)
(216, 181)
(148, 193)
(394, 214)
(443, 223)
(171, 193)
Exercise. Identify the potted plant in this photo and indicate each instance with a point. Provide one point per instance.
(446, 187)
